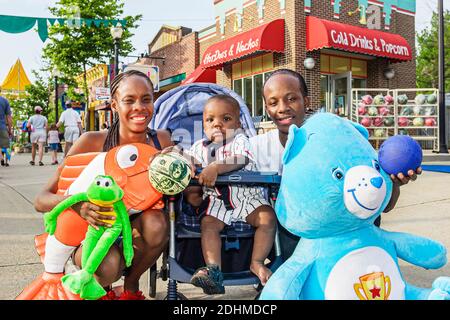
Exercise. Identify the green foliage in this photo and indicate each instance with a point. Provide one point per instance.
(36, 94)
(74, 49)
(427, 57)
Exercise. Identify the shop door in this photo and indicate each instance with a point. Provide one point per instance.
(341, 88)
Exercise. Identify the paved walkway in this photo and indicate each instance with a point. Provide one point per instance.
(423, 209)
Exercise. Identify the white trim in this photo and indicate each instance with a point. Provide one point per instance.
(207, 37)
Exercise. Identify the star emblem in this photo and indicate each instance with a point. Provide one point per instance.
(375, 292)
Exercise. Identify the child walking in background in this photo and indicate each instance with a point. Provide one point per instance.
(6, 153)
(226, 149)
(53, 142)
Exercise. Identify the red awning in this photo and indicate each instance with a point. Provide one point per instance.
(201, 75)
(267, 37)
(322, 33)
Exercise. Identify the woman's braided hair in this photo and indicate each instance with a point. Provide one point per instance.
(112, 139)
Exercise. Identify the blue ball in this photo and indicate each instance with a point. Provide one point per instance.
(399, 154)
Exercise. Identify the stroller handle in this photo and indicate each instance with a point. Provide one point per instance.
(245, 177)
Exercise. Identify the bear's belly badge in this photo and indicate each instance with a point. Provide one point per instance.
(369, 273)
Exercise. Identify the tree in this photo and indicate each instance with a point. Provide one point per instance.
(36, 94)
(427, 57)
(73, 49)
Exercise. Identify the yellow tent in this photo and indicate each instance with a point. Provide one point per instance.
(17, 79)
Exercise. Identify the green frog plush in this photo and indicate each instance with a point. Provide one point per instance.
(106, 193)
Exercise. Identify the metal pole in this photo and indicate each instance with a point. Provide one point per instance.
(442, 124)
(116, 57)
(56, 99)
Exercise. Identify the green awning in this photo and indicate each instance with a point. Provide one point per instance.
(15, 24)
(175, 79)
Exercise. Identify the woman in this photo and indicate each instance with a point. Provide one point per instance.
(132, 101)
(286, 101)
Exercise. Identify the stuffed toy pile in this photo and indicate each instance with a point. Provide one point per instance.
(332, 190)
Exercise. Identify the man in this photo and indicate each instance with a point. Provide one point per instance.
(72, 126)
(38, 125)
(5, 125)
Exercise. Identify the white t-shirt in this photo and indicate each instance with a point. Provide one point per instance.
(38, 122)
(70, 118)
(268, 151)
(53, 136)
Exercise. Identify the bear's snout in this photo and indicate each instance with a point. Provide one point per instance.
(364, 191)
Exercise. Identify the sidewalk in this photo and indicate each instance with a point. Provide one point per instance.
(423, 209)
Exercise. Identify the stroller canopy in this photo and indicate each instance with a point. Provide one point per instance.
(180, 110)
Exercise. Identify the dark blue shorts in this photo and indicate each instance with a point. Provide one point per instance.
(54, 146)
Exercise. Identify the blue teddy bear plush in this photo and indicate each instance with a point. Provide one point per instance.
(331, 192)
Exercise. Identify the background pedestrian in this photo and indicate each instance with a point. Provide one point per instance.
(38, 125)
(72, 126)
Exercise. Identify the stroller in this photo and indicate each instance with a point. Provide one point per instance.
(180, 110)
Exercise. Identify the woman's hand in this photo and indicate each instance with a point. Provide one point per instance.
(181, 152)
(208, 176)
(88, 211)
(401, 179)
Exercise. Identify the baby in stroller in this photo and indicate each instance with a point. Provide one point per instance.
(226, 149)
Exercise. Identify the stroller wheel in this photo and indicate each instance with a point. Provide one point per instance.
(180, 296)
(153, 273)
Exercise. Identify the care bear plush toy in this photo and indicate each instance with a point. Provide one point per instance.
(331, 192)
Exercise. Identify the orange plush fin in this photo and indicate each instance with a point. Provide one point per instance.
(47, 286)
(39, 242)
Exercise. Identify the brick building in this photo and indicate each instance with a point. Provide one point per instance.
(352, 44)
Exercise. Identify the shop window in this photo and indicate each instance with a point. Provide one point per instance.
(339, 65)
(248, 93)
(267, 75)
(324, 63)
(236, 70)
(258, 87)
(324, 91)
(359, 68)
(246, 67)
(359, 83)
(267, 61)
(237, 86)
(335, 64)
(257, 65)
(253, 65)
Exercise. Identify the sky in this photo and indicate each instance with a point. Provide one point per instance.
(195, 14)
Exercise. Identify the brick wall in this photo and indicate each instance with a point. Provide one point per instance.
(295, 44)
(181, 56)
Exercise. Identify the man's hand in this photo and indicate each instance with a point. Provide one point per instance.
(401, 179)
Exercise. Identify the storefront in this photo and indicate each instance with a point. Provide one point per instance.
(345, 52)
(328, 42)
(99, 110)
(249, 55)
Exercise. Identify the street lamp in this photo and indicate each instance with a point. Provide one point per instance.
(116, 33)
(309, 63)
(389, 73)
(56, 74)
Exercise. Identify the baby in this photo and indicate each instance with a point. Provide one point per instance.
(226, 149)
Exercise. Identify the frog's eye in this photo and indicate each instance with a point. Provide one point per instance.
(127, 156)
(107, 182)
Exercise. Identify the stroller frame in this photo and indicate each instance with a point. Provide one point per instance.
(174, 272)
